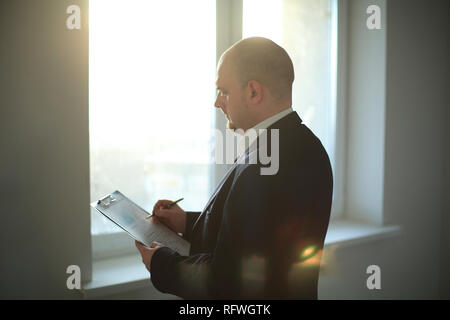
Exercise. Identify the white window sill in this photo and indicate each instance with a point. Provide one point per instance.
(120, 274)
(127, 273)
(346, 233)
(115, 275)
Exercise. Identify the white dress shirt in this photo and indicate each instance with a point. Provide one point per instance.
(250, 133)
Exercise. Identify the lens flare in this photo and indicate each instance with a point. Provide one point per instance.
(308, 252)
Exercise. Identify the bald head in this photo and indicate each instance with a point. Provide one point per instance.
(254, 82)
(262, 60)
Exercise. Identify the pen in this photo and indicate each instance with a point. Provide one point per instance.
(170, 205)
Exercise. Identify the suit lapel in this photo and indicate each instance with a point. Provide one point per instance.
(244, 159)
(214, 195)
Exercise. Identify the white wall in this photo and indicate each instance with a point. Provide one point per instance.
(365, 114)
(44, 164)
(410, 164)
(416, 99)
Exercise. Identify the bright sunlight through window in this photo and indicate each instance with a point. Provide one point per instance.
(305, 28)
(151, 95)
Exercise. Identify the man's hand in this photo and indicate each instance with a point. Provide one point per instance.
(174, 218)
(147, 253)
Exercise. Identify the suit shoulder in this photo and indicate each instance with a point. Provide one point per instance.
(301, 144)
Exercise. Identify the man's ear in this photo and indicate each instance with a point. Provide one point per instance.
(255, 91)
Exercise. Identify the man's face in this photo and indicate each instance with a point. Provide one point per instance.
(230, 96)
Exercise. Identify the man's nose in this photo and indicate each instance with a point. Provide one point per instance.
(218, 103)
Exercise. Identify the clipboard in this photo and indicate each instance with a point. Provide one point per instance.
(132, 219)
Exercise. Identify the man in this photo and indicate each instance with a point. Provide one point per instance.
(259, 236)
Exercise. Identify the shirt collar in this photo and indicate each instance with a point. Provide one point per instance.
(249, 134)
(269, 121)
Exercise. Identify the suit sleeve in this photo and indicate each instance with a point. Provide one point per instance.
(202, 276)
(222, 273)
(191, 217)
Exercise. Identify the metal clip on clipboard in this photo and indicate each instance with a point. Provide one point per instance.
(107, 201)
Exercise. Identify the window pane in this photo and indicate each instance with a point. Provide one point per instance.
(151, 82)
(305, 29)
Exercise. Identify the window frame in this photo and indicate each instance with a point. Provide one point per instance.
(340, 35)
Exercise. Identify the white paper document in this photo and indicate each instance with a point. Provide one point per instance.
(131, 218)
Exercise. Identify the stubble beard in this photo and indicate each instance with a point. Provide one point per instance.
(230, 125)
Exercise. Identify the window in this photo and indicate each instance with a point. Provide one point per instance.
(152, 85)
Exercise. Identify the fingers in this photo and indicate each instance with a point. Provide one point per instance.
(155, 244)
(164, 215)
(160, 216)
(161, 204)
(155, 219)
(139, 245)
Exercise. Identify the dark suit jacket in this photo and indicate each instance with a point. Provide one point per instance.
(260, 236)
